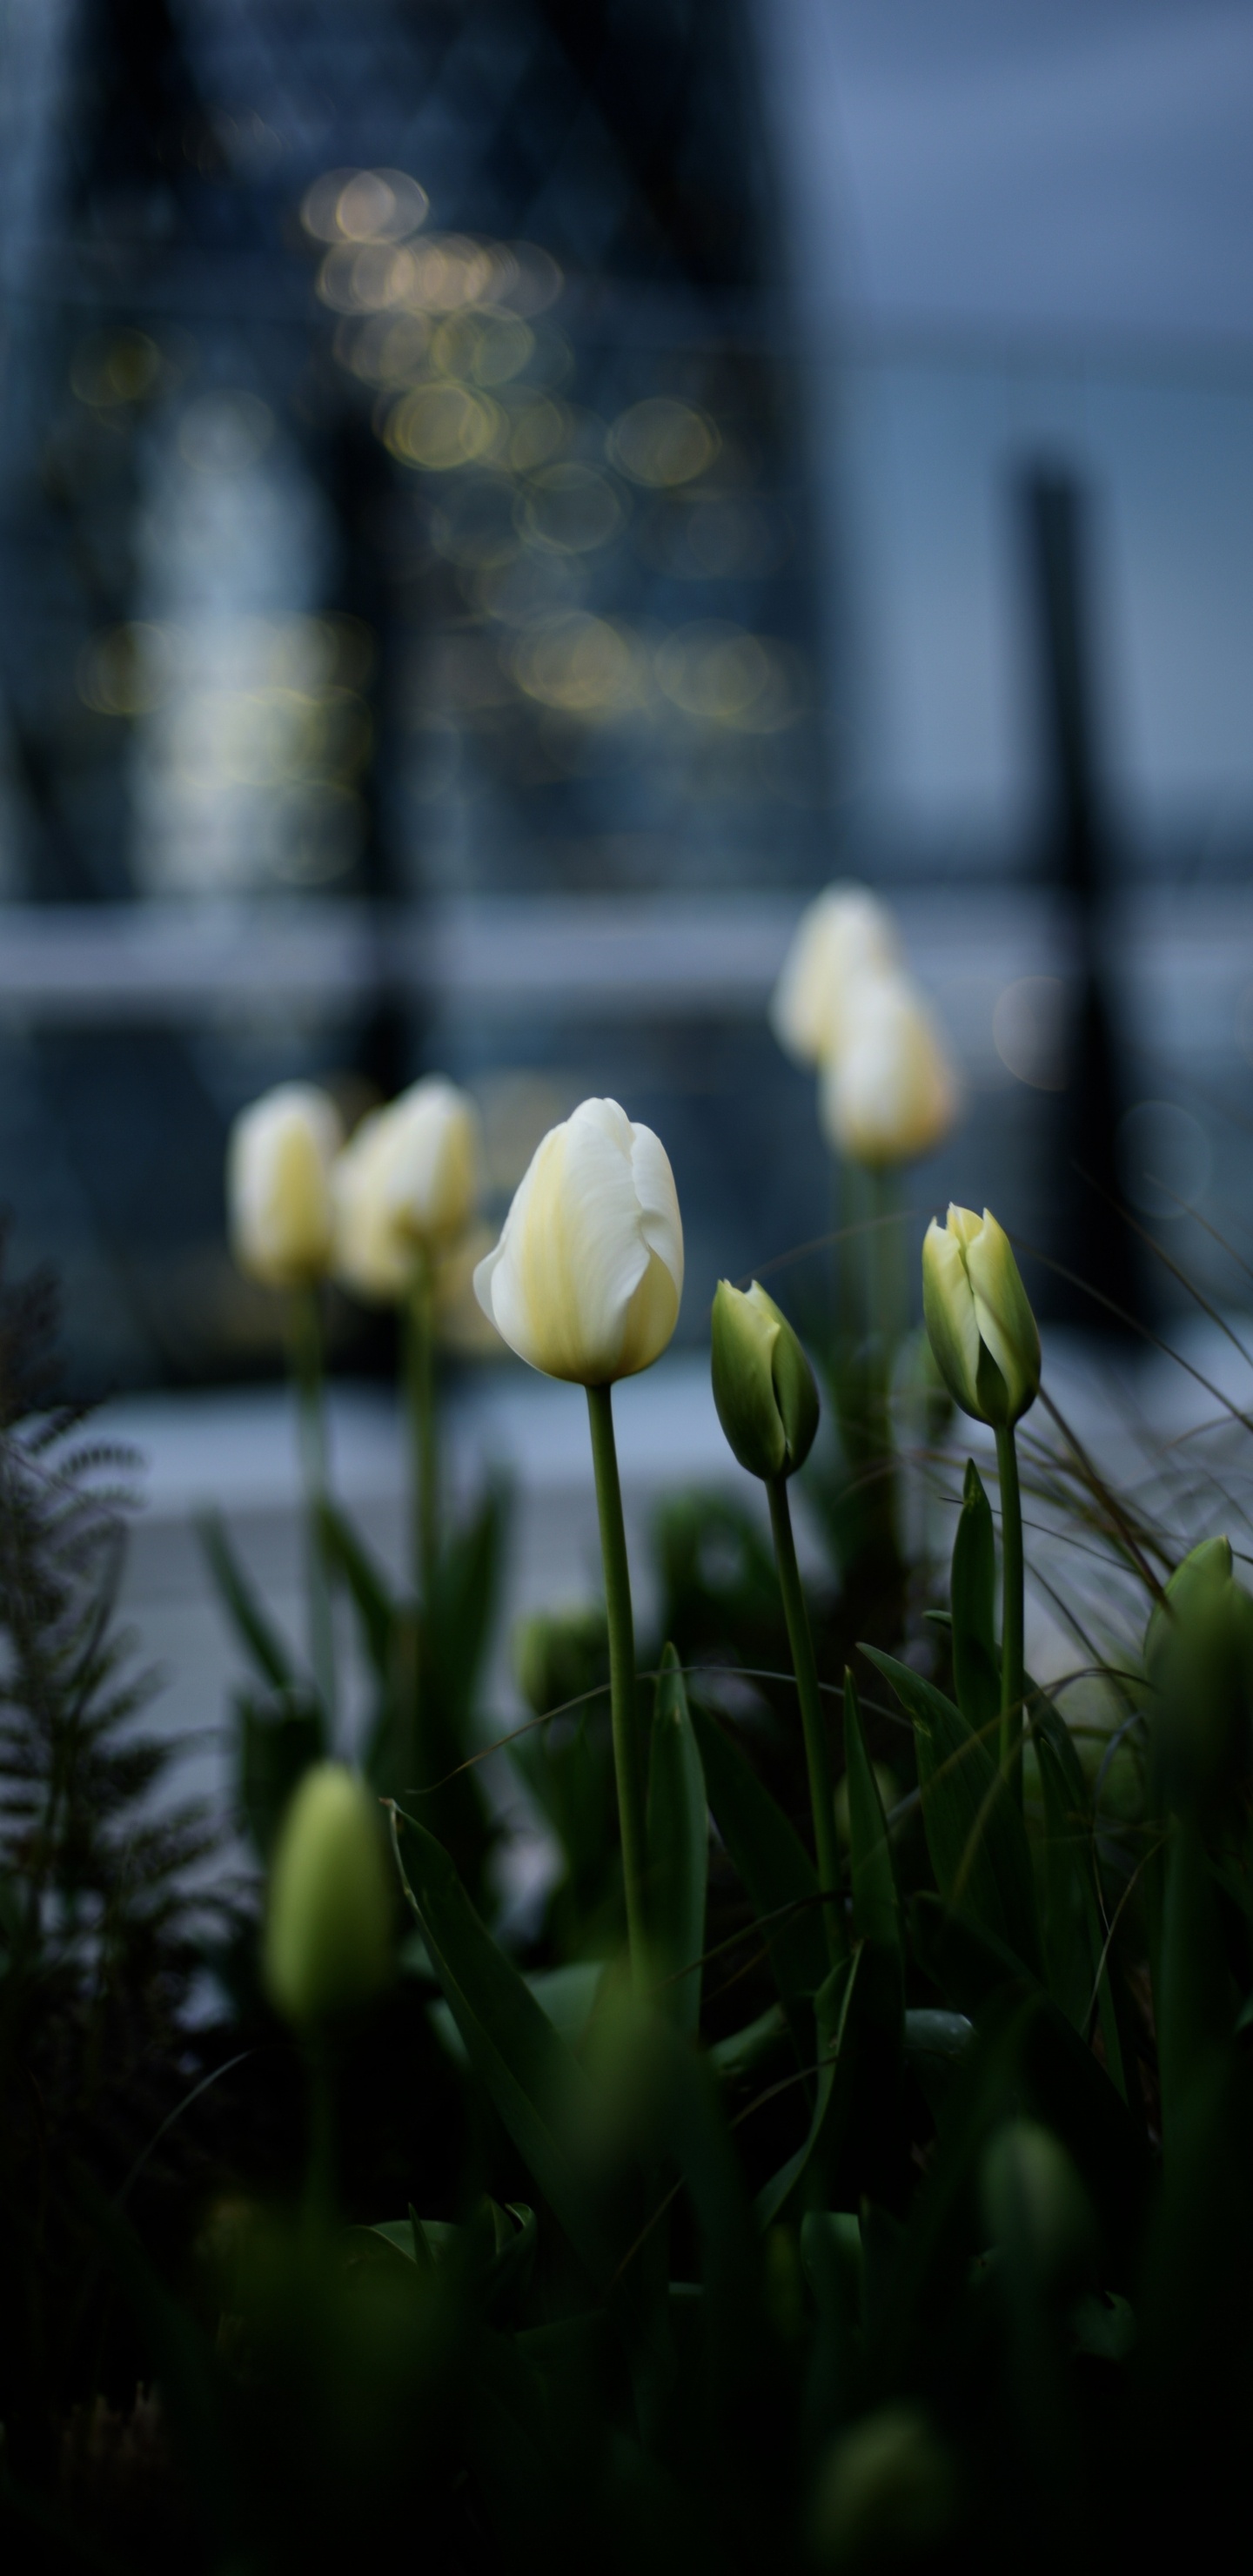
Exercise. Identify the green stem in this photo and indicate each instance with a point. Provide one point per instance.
(813, 1724)
(306, 1346)
(626, 1751)
(1013, 1685)
(423, 1427)
(319, 2192)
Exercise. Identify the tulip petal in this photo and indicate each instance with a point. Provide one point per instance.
(1003, 1313)
(949, 1309)
(560, 1284)
(660, 1221)
(745, 1330)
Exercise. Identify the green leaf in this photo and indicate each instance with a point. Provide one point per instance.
(1063, 2083)
(974, 1828)
(278, 1740)
(252, 1626)
(927, 2266)
(776, 1870)
(972, 1592)
(463, 1610)
(539, 2089)
(678, 1852)
(1077, 1959)
(347, 1556)
(1192, 1993)
(935, 2042)
(745, 2050)
(876, 1903)
(1067, 1946)
(831, 2258)
(834, 2014)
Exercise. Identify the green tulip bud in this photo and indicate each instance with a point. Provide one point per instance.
(1198, 1653)
(560, 1655)
(764, 1387)
(979, 1318)
(885, 2493)
(328, 1933)
(1034, 2204)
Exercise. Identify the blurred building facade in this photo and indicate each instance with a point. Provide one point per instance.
(469, 577)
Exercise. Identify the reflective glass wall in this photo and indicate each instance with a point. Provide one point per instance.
(460, 600)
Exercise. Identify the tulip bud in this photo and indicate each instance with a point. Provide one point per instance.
(840, 938)
(278, 1185)
(886, 2492)
(1198, 1653)
(982, 1330)
(560, 1656)
(1035, 2205)
(888, 1092)
(764, 1387)
(585, 1281)
(404, 1187)
(328, 1934)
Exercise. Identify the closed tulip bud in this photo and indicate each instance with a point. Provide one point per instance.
(888, 1092)
(404, 1187)
(560, 1656)
(764, 1387)
(278, 1185)
(328, 1933)
(982, 1330)
(1035, 2206)
(885, 2494)
(585, 1281)
(841, 937)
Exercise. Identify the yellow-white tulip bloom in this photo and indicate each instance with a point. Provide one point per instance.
(404, 1187)
(586, 1279)
(841, 938)
(889, 1093)
(978, 1315)
(278, 1185)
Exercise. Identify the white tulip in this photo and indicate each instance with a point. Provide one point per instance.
(841, 938)
(890, 1094)
(586, 1279)
(278, 1184)
(369, 1257)
(404, 1187)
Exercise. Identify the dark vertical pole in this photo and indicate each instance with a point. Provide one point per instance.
(1089, 1236)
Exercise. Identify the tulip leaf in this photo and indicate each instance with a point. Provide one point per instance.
(539, 2089)
(279, 1739)
(1192, 1993)
(776, 1870)
(1070, 1856)
(928, 2262)
(876, 1903)
(346, 1556)
(1063, 2083)
(837, 2032)
(678, 1852)
(463, 1609)
(974, 1829)
(972, 1594)
(1067, 1946)
(252, 1626)
(743, 2051)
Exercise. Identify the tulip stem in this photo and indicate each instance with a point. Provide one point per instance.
(420, 1388)
(1013, 1683)
(319, 2192)
(306, 1349)
(813, 1724)
(626, 1754)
